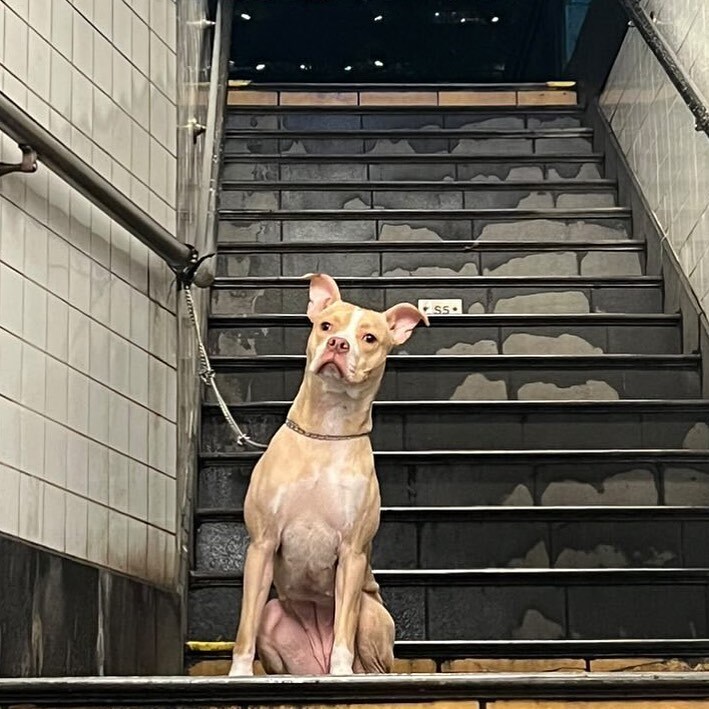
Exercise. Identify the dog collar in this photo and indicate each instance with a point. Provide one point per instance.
(322, 436)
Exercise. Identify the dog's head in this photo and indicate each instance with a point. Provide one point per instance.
(348, 345)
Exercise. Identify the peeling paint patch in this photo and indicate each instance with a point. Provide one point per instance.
(468, 269)
(404, 232)
(536, 558)
(481, 347)
(520, 496)
(550, 302)
(523, 343)
(592, 389)
(549, 264)
(535, 625)
(686, 486)
(355, 203)
(601, 263)
(632, 487)
(477, 387)
(476, 308)
(697, 437)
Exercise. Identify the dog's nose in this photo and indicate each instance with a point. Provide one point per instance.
(338, 344)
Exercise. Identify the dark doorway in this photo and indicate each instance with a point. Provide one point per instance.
(403, 41)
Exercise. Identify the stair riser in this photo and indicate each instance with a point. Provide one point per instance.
(484, 383)
(525, 262)
(545, 483)
(426, 228)
(557, 429)
(505, 612)
(402, 199)
(384, 120)
(265, 170)
(221, 546)
(438, 339)
(419, 145)
(511, 298)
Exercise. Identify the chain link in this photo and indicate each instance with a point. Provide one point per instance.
(206, 374)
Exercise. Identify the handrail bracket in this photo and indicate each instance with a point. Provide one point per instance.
(27, 164)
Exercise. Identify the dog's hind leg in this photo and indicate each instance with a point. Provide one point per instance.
(375, 637)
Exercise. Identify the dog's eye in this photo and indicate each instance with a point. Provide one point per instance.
(325, 326)
(369, 338)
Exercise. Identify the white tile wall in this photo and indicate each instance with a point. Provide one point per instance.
(87, 323)
(656, 131)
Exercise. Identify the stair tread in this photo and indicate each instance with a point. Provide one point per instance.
(414, 157)
(467, 246)
(441, 185)
(489, 513)
(357, 214)
(515, 455)
(366, 133)
(511, 576)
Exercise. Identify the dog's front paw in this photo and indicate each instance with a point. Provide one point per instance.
(341, 661)
(241, 667)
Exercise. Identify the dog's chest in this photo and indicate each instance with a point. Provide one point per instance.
(325, 494)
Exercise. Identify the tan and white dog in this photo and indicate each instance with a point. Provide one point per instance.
(312, 507)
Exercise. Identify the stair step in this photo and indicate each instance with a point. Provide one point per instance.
(590, 333)
(403, 118)
(468, 604)
(482, 377)
(398, 425)
(640, 294)
(394, 142)
(601, 223)
(358, 168)
(435, 258)
(489, 477)
(424, 195)
(513, 537)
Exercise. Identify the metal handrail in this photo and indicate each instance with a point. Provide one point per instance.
(70, 167)
(687, 89)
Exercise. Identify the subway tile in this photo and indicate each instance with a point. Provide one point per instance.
(157, 550)
(57, 384)
(77, 464)
(34, 374)
(139, 378)
(120, 306)
(38, 78)
(157, 496)
(82, 102)
(158, 62)
(103, 18)
(12, 288)
(120, 251)
(57, 327)
(55, 453)
(60, 85)
(140, 147)
(117, 481)
(54, 519)
(78, 398)
(138, 443)
(171, 450)
(9, 500)
(98, 472)
(99, 352)
(138, 270)
(157, 442)
(35, 315)
(97, 538)
(103, 110)
(80, 211)
(83, 45)
(137, 548)
(16, 45)
(32, 508)
(100, 293)
(10, 427)
(170, 504)
(35, 267)
(121, 138)
(40, 20)
(157, 386)
(158, 168)
(58, 204)
(10, 371)
(32, 440)
(12, 246)
(79, 280)
(78, 342)
(117, 540)
(118, 422)
(140, 98)
(122, 90)
(120, 177)
(122, 27)
(138, 490)
(86, 8)
(77, 523)
(103, 63)
(101, 229)
(140, 55)
(119, 358)
(62, 27)
(98, 410)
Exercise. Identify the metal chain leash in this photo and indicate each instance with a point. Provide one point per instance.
(206, 374)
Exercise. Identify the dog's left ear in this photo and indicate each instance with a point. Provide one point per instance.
(402, 319)
(323, 292)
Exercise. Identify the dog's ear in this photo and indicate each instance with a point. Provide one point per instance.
(323, 292)
(402, 319)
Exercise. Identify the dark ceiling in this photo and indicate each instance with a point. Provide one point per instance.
(398, 40)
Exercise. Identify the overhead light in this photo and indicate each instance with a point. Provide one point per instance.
(260, 67)
(348, 68)
(379, 63)
(436, 14)
(379, 18)
(303, 67)
(495, 19)
(245, 16)
(462, 20)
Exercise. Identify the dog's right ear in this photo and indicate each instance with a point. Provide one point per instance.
(323, 292)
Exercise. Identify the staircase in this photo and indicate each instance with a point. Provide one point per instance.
(542, 455)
